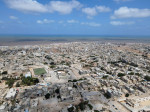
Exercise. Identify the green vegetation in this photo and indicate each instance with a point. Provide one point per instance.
(62, 62)
(10, 82)
(48, 57)
(138, 74)
(90, 106)
(107, 96)
(75, 80)
(53, 66)
(96, 111)
(71, 109)
(57, 91)
(105, 77)
(58, 97)
(68, 63)
(127, 95)
(123, 61)
(29, 81)
(133, 64)
(147, 78)
(82, 106)
(47, 96)
(131, 73)
(4, 73)
(5, 78)
(17, 84)
(74, 86)
(39, 71)
(121, 74)
(45, 63)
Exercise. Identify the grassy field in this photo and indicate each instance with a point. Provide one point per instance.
(39, 71)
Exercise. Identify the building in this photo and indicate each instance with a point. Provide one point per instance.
(11, 94)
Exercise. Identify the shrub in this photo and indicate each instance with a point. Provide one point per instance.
(52, 66)
(70, 109)
(82, 106)
(29, 81)
(147, 78)
(127, 95)
(138, 74)
(4, 73)
(131, 73)
(105, 77)
(90, 106)
(10, 82)
(57, 91)
(47, 96)
(74, 86)
(121, 74)
(17, 84)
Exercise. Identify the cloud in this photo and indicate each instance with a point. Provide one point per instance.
(125, 12)
(45, 21)
(119, 23)
(103, 9)
(121, 1)
(26, 5)
(62, 7)
(91, 24)
(73, 21)
(90, 12)
(13, 17)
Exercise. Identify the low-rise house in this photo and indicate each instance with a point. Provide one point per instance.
(11, 94)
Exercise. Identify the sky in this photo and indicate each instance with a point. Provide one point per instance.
(75, 17)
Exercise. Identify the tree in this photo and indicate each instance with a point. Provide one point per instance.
(131, 73)
(4, 73)
(29, 81)
(17, 84)
(127, 95)
(10, 82)
(58, 97)
(74, 86)
(107, 96)
(147, 78)
(52, 66)
(70, 109)
(105, 77)
(82, 106)
(36, 80)
(47, 96)
(138, 74)
(57, 91)
(121, 74)
(96, 111)
(90, 106)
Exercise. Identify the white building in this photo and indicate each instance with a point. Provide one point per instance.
(28, 74)
(11, 94)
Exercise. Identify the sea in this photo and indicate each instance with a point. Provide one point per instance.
(11, 40)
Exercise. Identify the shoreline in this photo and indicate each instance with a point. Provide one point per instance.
(21, 41)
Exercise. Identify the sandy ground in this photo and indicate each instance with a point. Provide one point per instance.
(127, 48)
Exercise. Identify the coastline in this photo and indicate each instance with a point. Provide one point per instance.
(23, 40)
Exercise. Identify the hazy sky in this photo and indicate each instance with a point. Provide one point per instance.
(79, 17)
